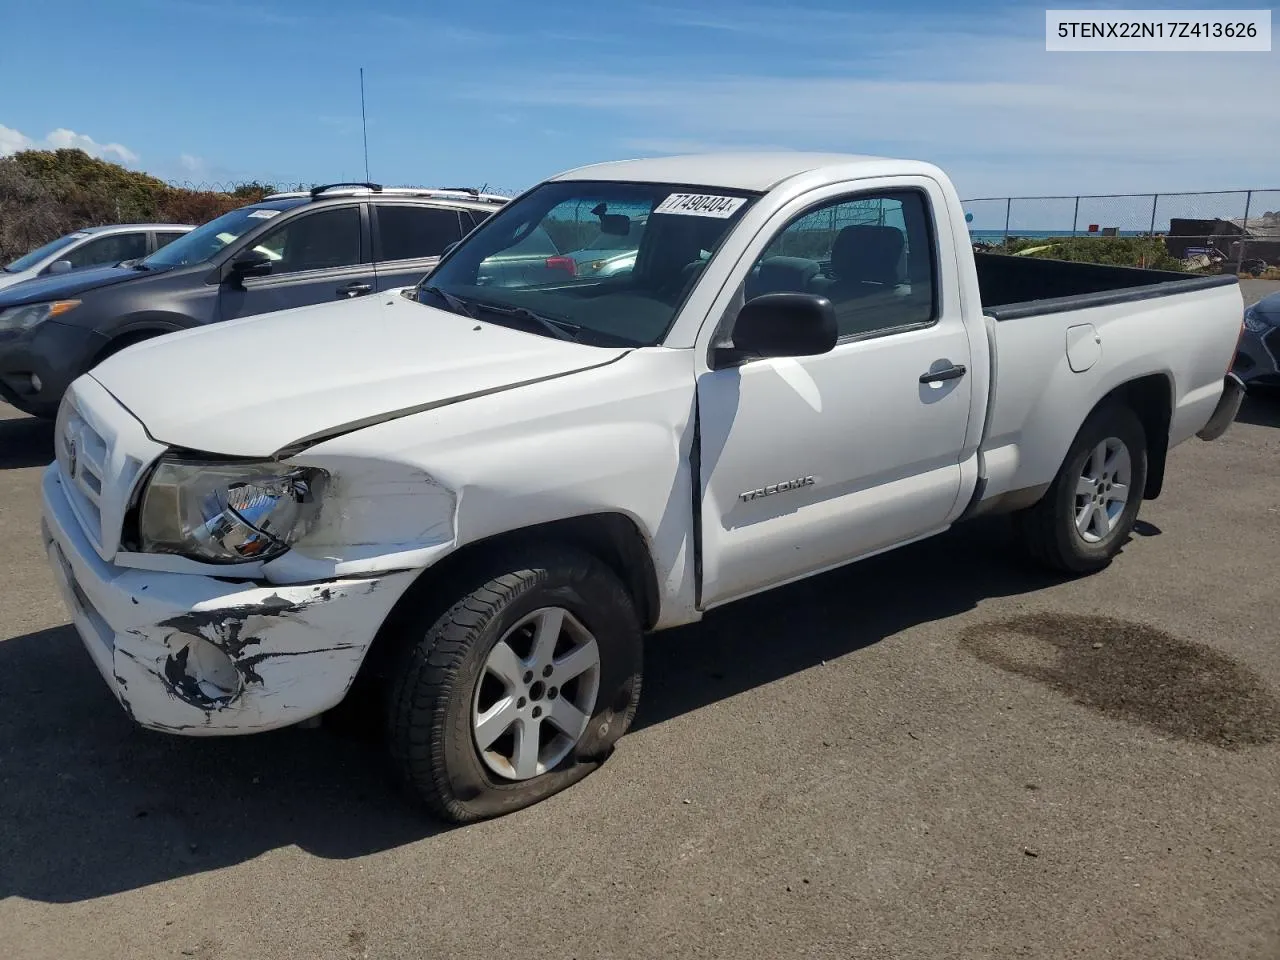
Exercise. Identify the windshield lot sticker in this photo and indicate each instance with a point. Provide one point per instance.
(263, 214)
(700, 205)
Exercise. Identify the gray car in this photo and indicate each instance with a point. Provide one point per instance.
(334, 242)
(1257, 360)
(92, 247)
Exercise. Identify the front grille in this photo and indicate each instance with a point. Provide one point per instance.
(83, 456)
(101, 451)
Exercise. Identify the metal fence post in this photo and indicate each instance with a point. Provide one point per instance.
(1155, 199)
(1075, 217)
(1008, 210)
(1244, 229)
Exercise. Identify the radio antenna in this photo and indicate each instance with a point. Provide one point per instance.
(364, 129)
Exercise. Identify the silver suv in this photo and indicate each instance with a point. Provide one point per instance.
(92, 247)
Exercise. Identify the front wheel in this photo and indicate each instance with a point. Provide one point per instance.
(520, 689)
(1089, 511)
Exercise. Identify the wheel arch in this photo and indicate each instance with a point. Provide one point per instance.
(135, 330)
(1151, 398)
(612, 538)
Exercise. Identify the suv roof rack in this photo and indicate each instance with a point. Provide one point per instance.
(469, 193)
(316, 191)
(351, 188)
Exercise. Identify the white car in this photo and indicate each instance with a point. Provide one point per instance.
(92, 247)
(475, 499)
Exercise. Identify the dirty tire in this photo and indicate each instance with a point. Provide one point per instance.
(1048, 529)
(430, 700)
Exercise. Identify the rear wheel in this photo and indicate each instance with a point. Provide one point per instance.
(520, 689)
(1089, 511)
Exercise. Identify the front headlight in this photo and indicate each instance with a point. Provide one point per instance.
(228, 512)
(1254, 322)
(21, 319)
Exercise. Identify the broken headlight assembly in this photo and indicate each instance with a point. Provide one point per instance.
(223, 512)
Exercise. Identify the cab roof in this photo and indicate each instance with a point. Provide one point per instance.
(739, 171)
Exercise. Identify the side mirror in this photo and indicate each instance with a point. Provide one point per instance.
(251, 263)
(59, 266)
(779, 325)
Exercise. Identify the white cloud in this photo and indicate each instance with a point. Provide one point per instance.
(650, 145)
(11, 141)
(995, 110)
(440, 32)
(192, 164)
(224, 10)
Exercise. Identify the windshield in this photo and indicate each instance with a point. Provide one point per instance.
(204, 242)
(38, 254)
(529, 257)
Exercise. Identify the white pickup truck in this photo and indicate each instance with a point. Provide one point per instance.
(475, 499)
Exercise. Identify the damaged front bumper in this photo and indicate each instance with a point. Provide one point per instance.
(203, 656)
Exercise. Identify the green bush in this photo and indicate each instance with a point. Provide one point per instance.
(47, 193)
(1117, 251)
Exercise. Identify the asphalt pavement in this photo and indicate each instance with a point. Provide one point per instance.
(940, 752)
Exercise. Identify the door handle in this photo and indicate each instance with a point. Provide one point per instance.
(354, 289)
(953, 372)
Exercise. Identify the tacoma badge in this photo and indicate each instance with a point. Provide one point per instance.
(773, 488)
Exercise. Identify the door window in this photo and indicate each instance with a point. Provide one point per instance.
(108, 250)
(411, 233)
(165, 237)
(324, 240)
(870, 255)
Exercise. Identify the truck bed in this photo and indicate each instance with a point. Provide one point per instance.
(1094, 328)
(1014, 287)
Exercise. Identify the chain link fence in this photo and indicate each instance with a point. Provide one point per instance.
(267, 184)
(278, 185)
(1208, 232)
(1231, 231)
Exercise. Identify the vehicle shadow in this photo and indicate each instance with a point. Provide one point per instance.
(1260, 408)
(25, 442)
(91, 805)
(772, 635)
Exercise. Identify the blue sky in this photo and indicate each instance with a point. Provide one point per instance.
(506, 93)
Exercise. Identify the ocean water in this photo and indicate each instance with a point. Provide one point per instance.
(1043, 234)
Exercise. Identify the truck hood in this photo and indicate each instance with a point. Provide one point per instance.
(59, 286)
(266, 385)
